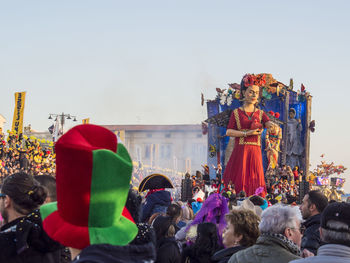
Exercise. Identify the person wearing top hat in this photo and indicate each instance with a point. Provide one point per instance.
(335, 233)
(93, 173)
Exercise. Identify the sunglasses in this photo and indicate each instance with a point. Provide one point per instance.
(2, 195)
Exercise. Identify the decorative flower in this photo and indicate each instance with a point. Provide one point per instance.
(277, 115)
(223, 99)
(251, 79)
(229, 100)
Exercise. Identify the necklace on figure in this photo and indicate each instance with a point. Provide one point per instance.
(246, 114)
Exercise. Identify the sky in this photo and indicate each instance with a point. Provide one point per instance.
(147, 62)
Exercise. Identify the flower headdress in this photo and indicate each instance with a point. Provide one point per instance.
(251, 79)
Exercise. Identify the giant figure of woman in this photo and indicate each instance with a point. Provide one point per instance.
(245, 167)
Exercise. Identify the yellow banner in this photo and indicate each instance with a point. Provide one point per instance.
(86, 121)
(121, 134)
(17, 123)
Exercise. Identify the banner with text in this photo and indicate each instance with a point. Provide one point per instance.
(17, 123)
(86, 121)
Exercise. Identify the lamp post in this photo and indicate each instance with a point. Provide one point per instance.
(62, 119)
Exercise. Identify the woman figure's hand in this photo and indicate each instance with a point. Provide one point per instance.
(254, 132)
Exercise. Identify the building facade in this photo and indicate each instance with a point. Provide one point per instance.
(181, 148)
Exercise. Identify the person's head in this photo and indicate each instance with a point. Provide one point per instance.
(250, 87)
(187, 213)
(174, 212)
(335, 224)
(93, 174)
(292, 113)
(257, 200)
(207, 239)
(242, 194)
(283, 220)
(21, 194)
(242, 228)
(163, 227)
(133, 204)
(49, 182)
(313, 203)
(251, 94)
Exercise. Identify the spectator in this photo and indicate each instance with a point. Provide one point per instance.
(311, 208)
(167, 248)
(214, 209)
(205, 246)
(157, 201)
(91, 163)
(22, 238)
(241, 232)
(335, 233)
(280, 237)
(49, 182)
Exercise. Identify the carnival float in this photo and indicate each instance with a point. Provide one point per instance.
(288, 143)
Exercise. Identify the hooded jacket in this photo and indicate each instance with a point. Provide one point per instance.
(104, 253)
(156, 202)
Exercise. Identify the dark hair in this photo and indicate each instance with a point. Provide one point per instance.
(133, 204)
(174, 211)
(163, 227)
(317, 198)
(207, 240)
(242, 194)
(244, 88)
(257, 200)
(246, 223)
(49, 182)
(27, 194)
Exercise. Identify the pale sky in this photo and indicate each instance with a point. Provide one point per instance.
(128, 62)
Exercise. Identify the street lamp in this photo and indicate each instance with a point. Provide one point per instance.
(62, 117)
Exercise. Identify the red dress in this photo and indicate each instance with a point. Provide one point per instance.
(245, 167)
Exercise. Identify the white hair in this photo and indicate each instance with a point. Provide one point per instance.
(275, 219)
(342, 235)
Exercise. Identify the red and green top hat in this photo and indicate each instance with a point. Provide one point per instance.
(93, 175)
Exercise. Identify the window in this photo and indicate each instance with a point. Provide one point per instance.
(147, 151)
(165, 151)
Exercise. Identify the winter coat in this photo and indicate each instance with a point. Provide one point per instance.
(189, 255)
(311, 238)
(168, 251)
(329, 253)
(105, 253)
(24, 240)
(223, 255)
(155, 203)
(266, 250)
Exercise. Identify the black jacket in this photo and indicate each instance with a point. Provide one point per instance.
(223, 255)
(189, 254)
(105, 253)
(311, 238)
(24, 240)
(168, 251)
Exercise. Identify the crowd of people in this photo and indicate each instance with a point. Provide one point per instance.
(95, 214)
(22, 153)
